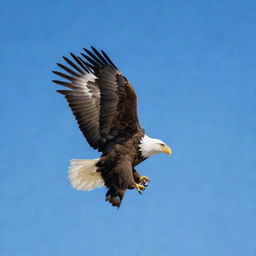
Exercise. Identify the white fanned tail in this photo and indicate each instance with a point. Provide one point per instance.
(83, 174)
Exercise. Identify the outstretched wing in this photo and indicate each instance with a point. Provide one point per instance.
(102, 100)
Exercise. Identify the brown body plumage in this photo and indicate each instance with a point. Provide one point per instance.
(117, 168)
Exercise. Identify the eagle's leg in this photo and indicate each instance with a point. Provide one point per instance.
(115, 196)
(143, 180)
(118, 180)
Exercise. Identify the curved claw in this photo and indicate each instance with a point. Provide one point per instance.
(139, 188)
(144, 180)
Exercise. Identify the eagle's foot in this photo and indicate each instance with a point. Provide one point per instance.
(144, 180)
(139, 187)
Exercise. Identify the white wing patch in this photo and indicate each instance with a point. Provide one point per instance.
(83, 82)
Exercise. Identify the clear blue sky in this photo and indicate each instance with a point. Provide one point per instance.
(193, 65)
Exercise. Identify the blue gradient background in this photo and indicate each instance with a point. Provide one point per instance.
(193, 65)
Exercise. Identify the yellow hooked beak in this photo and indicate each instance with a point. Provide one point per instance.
(167, 150)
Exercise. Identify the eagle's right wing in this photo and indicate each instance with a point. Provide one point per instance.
(101, 98)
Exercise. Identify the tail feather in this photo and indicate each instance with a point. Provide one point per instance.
(83, 174)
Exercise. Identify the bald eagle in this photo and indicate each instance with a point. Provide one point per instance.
(105, 106)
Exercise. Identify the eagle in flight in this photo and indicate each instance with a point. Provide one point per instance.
(105, 106)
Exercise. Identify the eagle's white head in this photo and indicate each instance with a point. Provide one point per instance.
(149, 147)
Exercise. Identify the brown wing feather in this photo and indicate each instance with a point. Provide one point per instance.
(105, 108)
(85, 107)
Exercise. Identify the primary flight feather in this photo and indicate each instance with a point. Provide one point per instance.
(105, 106)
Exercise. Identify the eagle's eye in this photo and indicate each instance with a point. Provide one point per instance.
(162, 144)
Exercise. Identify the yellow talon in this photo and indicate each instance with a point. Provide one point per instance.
(144, 179)
(139, 187)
